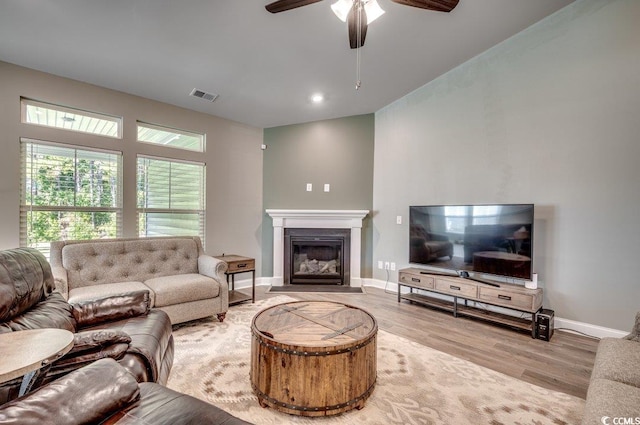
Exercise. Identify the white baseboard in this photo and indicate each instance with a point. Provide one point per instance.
(559, 323)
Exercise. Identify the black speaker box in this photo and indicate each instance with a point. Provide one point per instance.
(544, 324)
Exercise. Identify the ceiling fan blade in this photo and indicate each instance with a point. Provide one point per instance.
(352, 23)
(438, 5)
(282, 5)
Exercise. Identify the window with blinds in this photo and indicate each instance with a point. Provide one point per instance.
(170, 197)
(68, 193)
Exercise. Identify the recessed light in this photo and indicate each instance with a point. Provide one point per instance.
(317, 98)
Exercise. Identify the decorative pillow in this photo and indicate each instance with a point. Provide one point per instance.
(86, 395)
(116, 307)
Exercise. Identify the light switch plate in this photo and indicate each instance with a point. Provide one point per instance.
(327, 187)
(309, 187)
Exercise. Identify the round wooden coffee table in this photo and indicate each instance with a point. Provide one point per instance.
(313, 358)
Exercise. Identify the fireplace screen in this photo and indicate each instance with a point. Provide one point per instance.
(316, 258)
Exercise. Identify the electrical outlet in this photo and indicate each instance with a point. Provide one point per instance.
(309, 187)
(393, 266)
(380, 265)
(386, 265)
(327, 187)
(399, 219)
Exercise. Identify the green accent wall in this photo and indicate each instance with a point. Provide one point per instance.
(338, 152)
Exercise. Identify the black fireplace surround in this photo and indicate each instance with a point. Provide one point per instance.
(317, 256)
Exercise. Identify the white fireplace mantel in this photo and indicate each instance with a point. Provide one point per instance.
(317, 219)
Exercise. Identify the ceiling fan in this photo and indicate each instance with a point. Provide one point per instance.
(360, 13)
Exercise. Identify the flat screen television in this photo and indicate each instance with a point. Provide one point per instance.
(483, 239)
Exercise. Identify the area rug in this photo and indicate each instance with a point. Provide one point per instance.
(415, 384)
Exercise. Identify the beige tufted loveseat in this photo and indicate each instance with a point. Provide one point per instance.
(182, 280)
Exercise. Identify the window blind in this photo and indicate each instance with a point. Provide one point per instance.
(68, 193)
(170, 197)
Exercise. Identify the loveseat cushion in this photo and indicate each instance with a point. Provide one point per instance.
(52, 312)
(87, 395)
(611, 399)
(618, 360)
(103, 290)
(182, 288)
(25, 278)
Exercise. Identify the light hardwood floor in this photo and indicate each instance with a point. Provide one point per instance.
(563, 364)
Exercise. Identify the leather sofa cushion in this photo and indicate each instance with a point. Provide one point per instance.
(182, 288)
(25, 278)
(86, 395)
(160, 405)
(115, 307)
(52, 312)
(103, 290)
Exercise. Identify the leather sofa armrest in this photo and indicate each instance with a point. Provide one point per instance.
(116, 307)
(90, 340)
(89, 395)
(60, 280)
(213, 268)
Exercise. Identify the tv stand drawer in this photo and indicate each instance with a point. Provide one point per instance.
(457, 288)
(416, 280)
(511, 299)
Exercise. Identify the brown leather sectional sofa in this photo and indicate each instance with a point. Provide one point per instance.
(135, 339)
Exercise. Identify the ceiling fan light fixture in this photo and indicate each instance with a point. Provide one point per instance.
(341, 9)
(372, 9)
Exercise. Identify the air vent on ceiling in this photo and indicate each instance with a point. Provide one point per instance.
(203, 95)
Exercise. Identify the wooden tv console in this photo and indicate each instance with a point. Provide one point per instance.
(507, 296)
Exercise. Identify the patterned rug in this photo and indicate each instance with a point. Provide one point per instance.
(415, 385)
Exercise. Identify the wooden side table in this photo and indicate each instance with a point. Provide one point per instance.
(239, 264)
(29, 353)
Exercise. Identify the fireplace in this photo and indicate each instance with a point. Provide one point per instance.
(317, 256)
(348, 220)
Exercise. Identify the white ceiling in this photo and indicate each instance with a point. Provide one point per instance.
(264, 66)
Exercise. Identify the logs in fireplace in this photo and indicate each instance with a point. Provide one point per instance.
(316, 256)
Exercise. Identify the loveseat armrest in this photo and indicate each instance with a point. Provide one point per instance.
(635, 332)
(60, 280)
(116, 307)
(213, 268)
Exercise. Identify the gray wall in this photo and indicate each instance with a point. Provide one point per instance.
(550, 117)
(338, 152)
(233, 155)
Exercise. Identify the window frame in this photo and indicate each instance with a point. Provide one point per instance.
(173, 130)
(25, 102)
